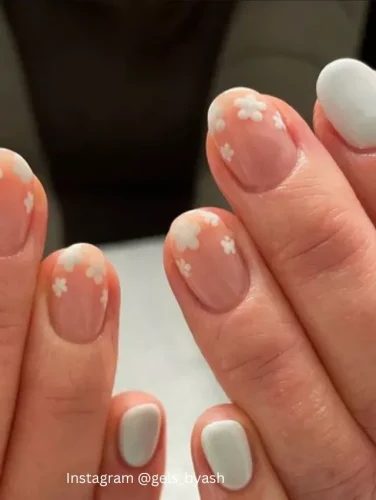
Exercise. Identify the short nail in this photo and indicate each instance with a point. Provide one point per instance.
(139, 433)
(209, 259)
(346, 90)
(226, 449)
(16, 201)
(78, 295)
(251, 136)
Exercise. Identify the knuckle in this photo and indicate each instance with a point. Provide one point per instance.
(331, 241)
(259, 359)
(351, 483)
(69, 398)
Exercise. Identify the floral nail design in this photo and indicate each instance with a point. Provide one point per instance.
(96, 272)
(227, 152)
(184, 267)
(104, 297)
(250, 108)
(185, 233)
(92, 266)
(210, 218)
(60, 286)
(228, 245)
(70, 257)
(22, 169)
(29, 202)
(278, 121)
(215, 118)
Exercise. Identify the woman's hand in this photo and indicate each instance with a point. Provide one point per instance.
(59, 427)
(281, 296)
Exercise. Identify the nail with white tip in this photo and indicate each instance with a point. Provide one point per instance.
(139, 434)
(346, 90)
(225, 446)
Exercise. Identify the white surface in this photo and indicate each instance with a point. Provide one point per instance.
(226, 449)
(139, 433)
(157, 353)
(346, 89)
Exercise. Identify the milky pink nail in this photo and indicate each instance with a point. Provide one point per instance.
(16, 201)
(78, 293)
(252, 137)
(208, 258)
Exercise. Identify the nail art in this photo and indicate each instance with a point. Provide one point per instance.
(139, 433)
(208, 258)
(79, 293)
(16, 202)
(346, 90)
(253, 142)
(225, 446)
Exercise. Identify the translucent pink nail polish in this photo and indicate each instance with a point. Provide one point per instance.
(252, 138)
(78, 293)
(209, 259)
(16, 201)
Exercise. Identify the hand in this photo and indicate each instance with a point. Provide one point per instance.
(60, 430)
(281, 296)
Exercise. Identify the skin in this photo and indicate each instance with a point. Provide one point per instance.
(292, 345)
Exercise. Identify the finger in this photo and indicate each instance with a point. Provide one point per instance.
(23, 214)
(67, 378)
(345, 122)
(262, 358)
(313, 233)
(229, 458)
(134, 451)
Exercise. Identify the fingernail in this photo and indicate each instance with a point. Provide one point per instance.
(208, 258)
(139, 433)
(252, 138)
(16, 201)
(226, 449)
(79, 294)
(346, 90)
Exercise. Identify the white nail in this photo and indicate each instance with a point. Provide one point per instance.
(346, 89)
(139, 434)
(226, 449)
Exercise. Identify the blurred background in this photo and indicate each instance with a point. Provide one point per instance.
(107, 99)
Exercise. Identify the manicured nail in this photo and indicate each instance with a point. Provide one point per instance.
(252, 138)
(225, 446)
(346, 90)
(209, 259)
(78, 294)
(139, 433)
(16, 202)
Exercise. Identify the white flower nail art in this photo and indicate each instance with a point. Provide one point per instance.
(70, 257)
(22, 169)
(210, 218)
(96, 272)
(104, 297)
(184, 267)
(60, 286)
(185, 233)
(278, 121)
(227, 152)
(250, 108)
(228, 245)
(216, 121)
(29, 202)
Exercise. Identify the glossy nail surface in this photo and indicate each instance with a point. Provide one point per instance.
(208, 258)
(252, 138)
(79, 293)
(16, 202)
(225, 446)
(139, 433)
